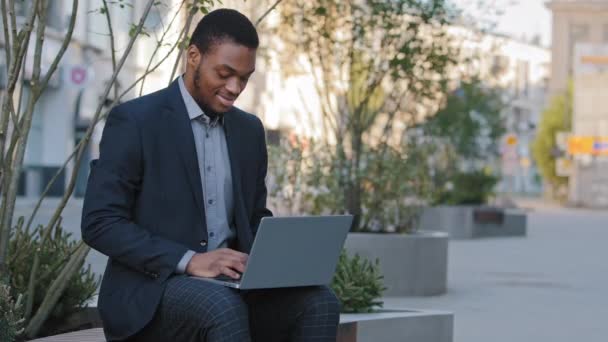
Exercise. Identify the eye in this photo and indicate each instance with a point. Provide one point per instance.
(223, 75)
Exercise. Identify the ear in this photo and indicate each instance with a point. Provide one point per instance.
(193, 56)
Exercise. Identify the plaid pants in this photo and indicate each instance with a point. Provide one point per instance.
(193, 310)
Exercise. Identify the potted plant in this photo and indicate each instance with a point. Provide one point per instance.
(306, 178)
(11, 314)
(70, 313)
(358, 283)
(467, 133)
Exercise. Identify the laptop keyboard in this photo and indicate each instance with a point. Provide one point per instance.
(223, 277)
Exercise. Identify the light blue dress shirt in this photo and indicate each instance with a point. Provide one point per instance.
(216, 176)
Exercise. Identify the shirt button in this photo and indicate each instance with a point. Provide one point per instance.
(208, 168)
(210, 202)
(212, 234)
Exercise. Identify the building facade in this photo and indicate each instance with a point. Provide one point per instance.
(580, 55)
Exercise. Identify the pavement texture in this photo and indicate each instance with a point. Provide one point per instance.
(551, 285)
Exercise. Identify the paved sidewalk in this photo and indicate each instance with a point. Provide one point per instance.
(549, 286)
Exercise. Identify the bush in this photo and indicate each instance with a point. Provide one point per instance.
(358, 284)
(53, 256)
(556, 118)
(11, 321)
(307, 178)
(467, 188)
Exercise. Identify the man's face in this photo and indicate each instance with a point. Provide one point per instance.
(220, 75)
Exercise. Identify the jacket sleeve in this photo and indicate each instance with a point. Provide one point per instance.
(260, 210)
(112, 189)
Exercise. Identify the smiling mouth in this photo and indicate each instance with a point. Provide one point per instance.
(226, 101)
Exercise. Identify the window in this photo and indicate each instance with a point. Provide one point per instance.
(578, 33)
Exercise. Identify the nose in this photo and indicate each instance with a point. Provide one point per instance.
(234, 86)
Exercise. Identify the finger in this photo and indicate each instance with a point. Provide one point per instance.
(234, 264)
(230, 273)
(241, 256)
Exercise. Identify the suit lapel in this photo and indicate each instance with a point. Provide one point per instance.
(178, 125)
(233, 144)
(233, 141)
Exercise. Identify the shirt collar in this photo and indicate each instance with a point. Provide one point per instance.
(194, 110)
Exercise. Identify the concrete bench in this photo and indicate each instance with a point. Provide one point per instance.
(385, 326)
(89, 335)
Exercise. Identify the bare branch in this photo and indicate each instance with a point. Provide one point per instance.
(64, 47)
(5, 28)
(9, 195)
(12, 17)
(88, 133)
(112, 41)
(70, 189)
(40, 29)
(20, 45)
(27, 121)
(159, 42)
(185, 32)
(56, 289)
(257, 22)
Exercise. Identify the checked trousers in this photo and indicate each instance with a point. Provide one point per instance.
(193, 310)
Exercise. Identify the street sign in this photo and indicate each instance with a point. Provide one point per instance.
(580, 145)
(78, 75)
(588, 145)
(563, 167)
(511, 140)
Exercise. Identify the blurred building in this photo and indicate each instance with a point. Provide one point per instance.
(285, 104)
(66, 108)
(521, 70)
(580, 55)
(574, 21)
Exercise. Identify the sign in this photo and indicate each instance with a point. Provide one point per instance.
(563, 167)
(587, 145)
(580, 145)
(78, 75)
(511, 140)
(600, 146)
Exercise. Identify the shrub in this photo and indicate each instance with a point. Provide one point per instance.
(53, 256)
(358, 284)
(11, 321)
(555, 118)
(467, 188)
(309, 179)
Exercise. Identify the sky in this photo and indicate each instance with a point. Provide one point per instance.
(519, 18)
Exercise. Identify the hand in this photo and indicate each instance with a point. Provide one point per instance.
(220, 261)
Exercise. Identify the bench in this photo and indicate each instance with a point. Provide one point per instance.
(347, 334)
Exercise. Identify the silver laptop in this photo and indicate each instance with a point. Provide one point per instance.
(292, 251)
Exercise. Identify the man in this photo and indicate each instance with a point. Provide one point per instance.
(178, 190)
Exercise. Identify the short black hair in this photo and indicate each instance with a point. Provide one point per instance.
(224, 24)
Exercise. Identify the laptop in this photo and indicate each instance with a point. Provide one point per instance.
(291, 252)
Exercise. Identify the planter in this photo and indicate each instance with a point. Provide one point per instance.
(412, 264)
(470, 222)
(393, 326)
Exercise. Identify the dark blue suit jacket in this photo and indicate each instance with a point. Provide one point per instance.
(144, 201)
